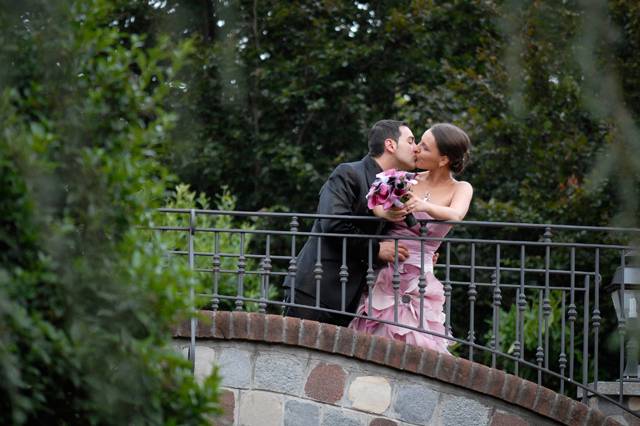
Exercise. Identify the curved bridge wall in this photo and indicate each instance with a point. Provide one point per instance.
(284, 371)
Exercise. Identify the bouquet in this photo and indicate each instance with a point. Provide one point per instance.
(391, 189)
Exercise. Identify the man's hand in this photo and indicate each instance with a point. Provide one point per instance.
(387, 252)
(394, 214)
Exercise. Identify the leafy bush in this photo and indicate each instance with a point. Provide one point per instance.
(207, 243)
(86, 306)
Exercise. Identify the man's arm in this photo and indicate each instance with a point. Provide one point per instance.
(337, 197)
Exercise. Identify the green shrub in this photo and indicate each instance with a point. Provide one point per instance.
(86, 302)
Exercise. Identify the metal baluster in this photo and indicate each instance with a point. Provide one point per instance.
(215, 301)
(370, 278)
(562, 359)
(344, 275)
(317, 270)
(497, 302)
(522, 304)
(472, 293)
(265, 271)
(293, 266)
(262, 305)
(447, 290)
(595, 319)
(622, 330)
(539, 350)
(396, 283)
(192, 294)
(546, 303)
(241, 270)
(492, 340)
(572, 313)
(422, 282)
(585, 342)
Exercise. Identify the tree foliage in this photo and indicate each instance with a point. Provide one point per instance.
(278, 93)
(86, 307)
(101, 101)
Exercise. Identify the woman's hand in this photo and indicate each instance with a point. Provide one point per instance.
(415, 204)
(394, 214)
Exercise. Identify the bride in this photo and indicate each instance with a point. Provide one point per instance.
(443, 152)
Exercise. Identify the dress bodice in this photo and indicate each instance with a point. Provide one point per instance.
(434, 230)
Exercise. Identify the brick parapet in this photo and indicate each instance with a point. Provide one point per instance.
(275, 329)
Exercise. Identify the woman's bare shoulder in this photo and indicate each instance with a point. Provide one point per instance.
(462, 185)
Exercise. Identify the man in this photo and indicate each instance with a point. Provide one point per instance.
(391, 145)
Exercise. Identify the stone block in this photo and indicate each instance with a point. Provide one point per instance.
(501, 418)
(235, 368)
(395, 357)
(184, 351)
(346, 341)
(275, 328)
(280, 373)
(378, 349)
(511, 387)
(260, 409)
(370, 393)
(309, 333)
(327, 337)
(428, 363)
(496, 383)
(412, 357)
(415, 403)
(562, 408)
(462, 376)
(239, 325)
(326, 383)
(292, 330)
(446, 367)
(228, 405)
(205, 359)
(382, 422)
(616, 420)
(339, 417)
(579, 414)
(363, 343)
(222, 324)
(527, 394)
(545, 401)
(301, 413)
(461, 411)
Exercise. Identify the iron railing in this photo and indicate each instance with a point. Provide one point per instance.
(526, 298)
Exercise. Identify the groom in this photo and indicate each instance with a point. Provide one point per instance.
(391, 145)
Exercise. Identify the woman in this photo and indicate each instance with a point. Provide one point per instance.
(443, 152)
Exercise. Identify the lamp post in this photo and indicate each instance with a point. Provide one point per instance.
(626, 301)
(625, 292)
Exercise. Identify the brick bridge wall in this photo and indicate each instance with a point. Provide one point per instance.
(284, 371)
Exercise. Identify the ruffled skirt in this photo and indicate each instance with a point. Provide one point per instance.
(382, 308)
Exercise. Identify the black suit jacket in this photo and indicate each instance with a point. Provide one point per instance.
(344, 193)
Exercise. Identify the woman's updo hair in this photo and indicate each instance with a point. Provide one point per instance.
(453, 142)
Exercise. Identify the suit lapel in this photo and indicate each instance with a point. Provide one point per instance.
(371, 169)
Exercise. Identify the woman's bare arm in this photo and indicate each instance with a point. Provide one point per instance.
(456, 211)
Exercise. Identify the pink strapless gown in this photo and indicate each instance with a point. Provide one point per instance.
(408, 293)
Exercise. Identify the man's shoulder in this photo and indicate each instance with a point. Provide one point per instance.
(349, 168)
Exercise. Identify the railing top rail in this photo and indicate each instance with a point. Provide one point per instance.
(394, 237)
(541, 226)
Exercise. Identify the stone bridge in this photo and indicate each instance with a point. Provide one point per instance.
(286, 371)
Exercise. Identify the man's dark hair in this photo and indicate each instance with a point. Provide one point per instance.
(382, 130)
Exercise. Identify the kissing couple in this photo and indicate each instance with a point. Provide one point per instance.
(335, 292)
